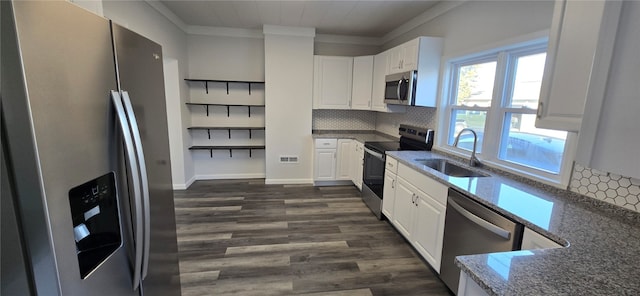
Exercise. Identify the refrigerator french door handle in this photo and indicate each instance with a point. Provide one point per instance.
(135, 132)
(133, 166)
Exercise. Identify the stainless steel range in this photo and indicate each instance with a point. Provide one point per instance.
(411, 138)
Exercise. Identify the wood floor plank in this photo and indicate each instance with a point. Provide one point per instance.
(242, 237)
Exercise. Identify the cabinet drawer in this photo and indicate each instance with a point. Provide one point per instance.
(391, 164)
(326, 143)
(432, 187)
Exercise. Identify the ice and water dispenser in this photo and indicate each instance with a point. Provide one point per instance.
(96, 221)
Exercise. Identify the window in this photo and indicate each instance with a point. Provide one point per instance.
(496, 95)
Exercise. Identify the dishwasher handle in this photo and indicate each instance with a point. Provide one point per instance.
(479, 221)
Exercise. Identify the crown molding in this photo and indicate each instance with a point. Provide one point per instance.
(437, 10)
(289, 31)
(166, 12)
(430, 14)
(344, 39)
(224, 31)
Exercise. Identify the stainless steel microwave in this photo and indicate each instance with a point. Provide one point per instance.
(400, 88)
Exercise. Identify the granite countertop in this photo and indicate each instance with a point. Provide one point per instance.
(602, 242)
(358, 135)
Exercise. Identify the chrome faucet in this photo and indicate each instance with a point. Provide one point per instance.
(473, 161)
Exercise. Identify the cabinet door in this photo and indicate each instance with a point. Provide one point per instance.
(428, 230)
(357, 163)
(377, 93)
(609, 137)
(404, 207)
(362, 83)
(531, 240)
(389, 194)
(325, 164)
(394, 60)
(572, 45)
(343, 164)
(332, 82)
(410, 55)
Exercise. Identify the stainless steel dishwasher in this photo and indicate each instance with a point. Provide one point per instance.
(471, 228)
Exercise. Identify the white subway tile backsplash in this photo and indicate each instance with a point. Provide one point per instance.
(343, 120)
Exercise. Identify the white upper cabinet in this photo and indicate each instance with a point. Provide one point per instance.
(573, 41)
(403, 57)
(362, 83)
(610, 134)
(377, 94)
(422, 54)
(332, 82)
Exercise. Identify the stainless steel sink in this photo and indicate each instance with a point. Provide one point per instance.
(448, 168)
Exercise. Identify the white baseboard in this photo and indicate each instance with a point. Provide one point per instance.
(288, 181)
(229, 176)
(185, 185)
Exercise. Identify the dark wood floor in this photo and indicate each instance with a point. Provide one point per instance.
(242, 237)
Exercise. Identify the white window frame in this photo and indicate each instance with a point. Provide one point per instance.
(504, 53)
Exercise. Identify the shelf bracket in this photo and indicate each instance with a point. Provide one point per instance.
(250, 152)
(207, 108)
(249, 88)
(206, 86)
(211, 153)
(230, 153)
(227, 111)
(249, 110)
(249, 136)
(229, 133)
(227, 87)
(209, 133)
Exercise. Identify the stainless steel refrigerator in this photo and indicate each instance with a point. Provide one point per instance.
(86, 176)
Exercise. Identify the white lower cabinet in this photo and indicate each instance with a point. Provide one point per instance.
(418, 216)
(344, 160)
(404, 208)
(429, 229)
(357, 163)
(532, 240)
(467, 287)
(389, 194)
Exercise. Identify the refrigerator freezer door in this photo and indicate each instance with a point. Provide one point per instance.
(61, 130)
(140, 73)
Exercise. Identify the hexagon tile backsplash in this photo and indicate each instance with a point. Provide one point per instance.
(612, 188)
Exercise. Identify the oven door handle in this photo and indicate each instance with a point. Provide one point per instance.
(374, 153)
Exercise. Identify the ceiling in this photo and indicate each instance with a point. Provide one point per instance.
(353, 18)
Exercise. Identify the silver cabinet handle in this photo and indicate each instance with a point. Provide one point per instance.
(393, 184)
(479, 221)
(137, 140)
(133, 167)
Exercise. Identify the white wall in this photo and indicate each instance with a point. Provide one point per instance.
(230, 58)
(342, 49)
(145, 20)
(227, 58)
(477, 23)
(288, 93)
(471, 26)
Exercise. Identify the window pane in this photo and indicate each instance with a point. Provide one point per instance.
(527, 145)
(472, 119)
(475, 84)
(528, 78)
